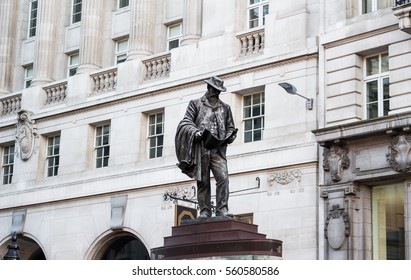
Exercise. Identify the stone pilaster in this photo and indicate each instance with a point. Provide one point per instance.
(141, 39)
(192, 19)
(91, 34)
(7, 31)
(45, 42)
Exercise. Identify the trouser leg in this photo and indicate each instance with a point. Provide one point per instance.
(204, 188)
(219, 168)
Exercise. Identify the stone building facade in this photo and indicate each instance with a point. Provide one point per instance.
(363, 130)
(92, 91)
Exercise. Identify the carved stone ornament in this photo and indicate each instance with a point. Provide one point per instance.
(399, 153)
(180, 193)
(337, 227)
(25, 135)
(285, 177)
(335, 161)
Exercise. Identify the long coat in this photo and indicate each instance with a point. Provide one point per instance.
(198, 118)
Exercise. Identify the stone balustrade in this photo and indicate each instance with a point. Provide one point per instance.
(10, 104)
(104, 81)
(158, 66)
(251, 42)
(401, 2)
(55, 93)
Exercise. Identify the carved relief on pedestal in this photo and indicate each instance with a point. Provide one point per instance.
(25, 134)
(399, 153)
(335, 161)
(337, 227)
(285, 177)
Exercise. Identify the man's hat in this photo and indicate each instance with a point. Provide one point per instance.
(216, 83)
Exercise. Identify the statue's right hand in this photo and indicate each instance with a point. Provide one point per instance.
(198, 136)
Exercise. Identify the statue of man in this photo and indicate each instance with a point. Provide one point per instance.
(201, 143)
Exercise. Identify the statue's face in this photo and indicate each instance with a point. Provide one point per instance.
(213, 92)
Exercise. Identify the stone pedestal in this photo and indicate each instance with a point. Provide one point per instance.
(217, 238)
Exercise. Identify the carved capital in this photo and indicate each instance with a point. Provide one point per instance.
(335, 161)
(399, 155)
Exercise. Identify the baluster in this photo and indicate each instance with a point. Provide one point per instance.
(3, 108)
(159, 68)
(106, 82)
(168, 65)
(256, 42)
(53, 95)
(9, 111)
(154, 69)
(63, 91)
(18, 104)
(96, 83)
(58, 94)
(13, 104)
(115, 79)
(48, 96)
(111, 80)
(262, 39)
(148, 69)
(101, 82)
(163, 66)
(250, 44)
(243, 45)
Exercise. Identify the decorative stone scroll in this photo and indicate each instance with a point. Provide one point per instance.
(25, 135)
(399, 153)
(337, 227)
(335, 161)
(285, 177)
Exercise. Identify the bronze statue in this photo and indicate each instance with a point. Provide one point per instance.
(201, 143)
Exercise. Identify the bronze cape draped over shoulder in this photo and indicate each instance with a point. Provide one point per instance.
(187, 150)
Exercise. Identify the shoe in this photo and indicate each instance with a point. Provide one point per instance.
(204, 215)
(224, 213)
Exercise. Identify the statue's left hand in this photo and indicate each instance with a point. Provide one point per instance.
(231, 139)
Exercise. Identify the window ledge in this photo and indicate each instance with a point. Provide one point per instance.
(403, 12)
(365, 128)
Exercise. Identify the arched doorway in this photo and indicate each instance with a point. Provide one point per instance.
(29, 249)
(122, 246)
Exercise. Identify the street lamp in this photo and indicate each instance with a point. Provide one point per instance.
(292, 90)
(12, 253)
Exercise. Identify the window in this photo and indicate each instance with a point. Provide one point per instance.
(121, 51)
(174, 34)
(253, 117)
(32, 18)
(76, 11)
(28, 76)
(73, 61)
(156, 134)
(369, 6)
(377, 86)
(257, 10)
(388, 238)
(123, 3)
(53, 155)
(8, 162)
(102, 145)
